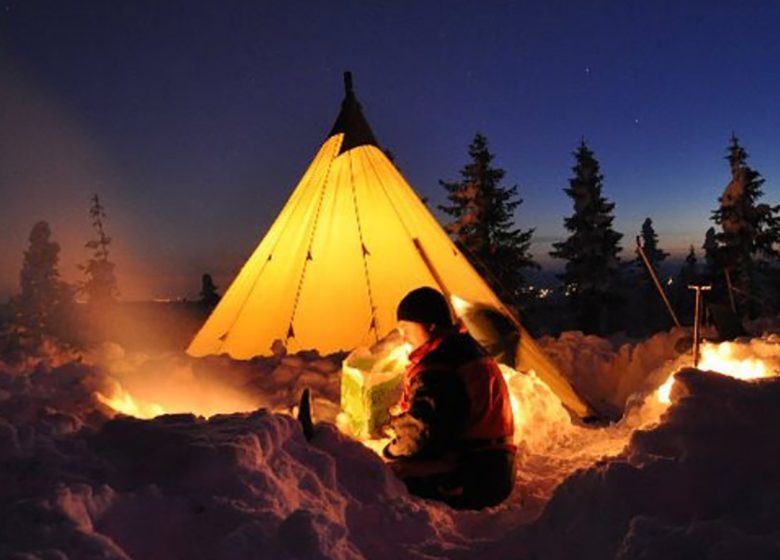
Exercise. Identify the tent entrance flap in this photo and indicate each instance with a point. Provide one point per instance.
(526, 354)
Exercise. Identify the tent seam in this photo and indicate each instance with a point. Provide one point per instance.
(364, 253)
(409, 235)
(223, 339)
(291, 331)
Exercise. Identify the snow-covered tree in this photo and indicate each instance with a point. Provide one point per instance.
(44, 301)
(592, 273)
(483, 224)
(749, 239)
(100, 286)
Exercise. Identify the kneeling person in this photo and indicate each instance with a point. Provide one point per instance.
(453, 436)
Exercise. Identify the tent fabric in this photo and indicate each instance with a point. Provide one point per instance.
(350, 242)
(351, 121)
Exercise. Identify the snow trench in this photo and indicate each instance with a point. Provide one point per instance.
(697, 479)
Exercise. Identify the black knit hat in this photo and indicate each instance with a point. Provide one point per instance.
(426, 306)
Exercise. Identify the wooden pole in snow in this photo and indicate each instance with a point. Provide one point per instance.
(697, 319)
(656, 281)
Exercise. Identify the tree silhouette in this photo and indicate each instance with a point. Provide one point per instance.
(653, 310)
(711, 255)
(483, 225)
(592, 272)
(44, 303)
(650, 244)
(683, 296)
(749, 239)
(209, 297)
(100, 286)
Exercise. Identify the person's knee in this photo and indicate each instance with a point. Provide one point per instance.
(489, 480)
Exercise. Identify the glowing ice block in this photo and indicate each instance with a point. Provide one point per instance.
(370, 385)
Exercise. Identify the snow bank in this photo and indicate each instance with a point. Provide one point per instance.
(697, 479)
(704, 483)
(74, 483)
(175, 383)
(610, 372)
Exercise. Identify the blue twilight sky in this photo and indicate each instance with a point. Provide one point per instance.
(193, 120)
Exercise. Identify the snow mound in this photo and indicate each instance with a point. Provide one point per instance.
(175, 383)
(76, 484)
(698, 479)
(180, 486)
(610, 372)
(703, 483)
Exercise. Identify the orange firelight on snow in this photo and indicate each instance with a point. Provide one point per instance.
(509, 374)
(146, 395)
(123, 402)
(720, 358)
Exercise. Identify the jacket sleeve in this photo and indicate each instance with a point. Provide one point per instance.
(437, 412)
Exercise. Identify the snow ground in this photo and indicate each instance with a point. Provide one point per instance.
(698, 479)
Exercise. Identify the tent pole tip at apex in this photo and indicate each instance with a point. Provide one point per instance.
(348, 82)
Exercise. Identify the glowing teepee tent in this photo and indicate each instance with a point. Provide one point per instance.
(351, 241)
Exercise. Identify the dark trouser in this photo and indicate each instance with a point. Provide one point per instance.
(482, 479)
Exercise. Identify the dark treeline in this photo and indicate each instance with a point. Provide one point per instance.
(78, 315)
(599, 292)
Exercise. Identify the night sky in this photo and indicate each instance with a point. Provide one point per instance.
(194, 120)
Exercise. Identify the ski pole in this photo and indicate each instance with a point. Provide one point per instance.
(656, 281)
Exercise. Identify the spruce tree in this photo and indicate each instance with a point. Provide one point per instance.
(684, 297)
(712, 272)
(749, 239)
(483, 226)
(649, 241)
(652, 306)
(209, 296)
(689, 273)
(44, 302)
(592, 272)
(100, 286)
(711, 255)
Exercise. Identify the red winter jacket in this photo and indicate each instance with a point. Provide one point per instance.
(454, 399)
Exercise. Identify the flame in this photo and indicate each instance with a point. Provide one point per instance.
(663, 393)
(145, 390)
(553, 446)
(460, 305)
(395, 360)
(123, 402)
(721, 358)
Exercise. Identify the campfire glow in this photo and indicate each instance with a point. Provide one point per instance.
(552, 445)
(198, 400)
(123, 402)
(720, 358)
(148, 389)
